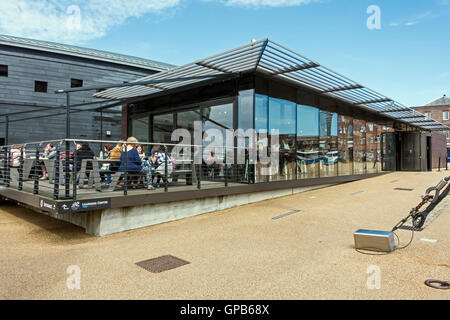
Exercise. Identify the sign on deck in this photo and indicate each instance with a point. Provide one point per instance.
(60, 207)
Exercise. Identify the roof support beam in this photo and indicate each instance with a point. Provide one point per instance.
(396, 110)
(411, 117)
(345, 88)
(374, 101)
(209, 66)
(424, 121)
(297, 67)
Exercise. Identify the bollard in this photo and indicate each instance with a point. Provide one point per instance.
(439, 168)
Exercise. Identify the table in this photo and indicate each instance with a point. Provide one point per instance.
(94, 177)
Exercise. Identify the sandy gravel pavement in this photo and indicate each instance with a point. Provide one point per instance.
(239, 253)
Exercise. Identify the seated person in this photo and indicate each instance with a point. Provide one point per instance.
(84, 152)
(14, 160)
(158, 160)
(115, 154)
(141, 152)
(49, 153)
(134, 162)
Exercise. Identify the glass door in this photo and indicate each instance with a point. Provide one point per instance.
(388, 151)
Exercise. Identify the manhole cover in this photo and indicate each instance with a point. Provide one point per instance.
(163, 263)
(403, 189)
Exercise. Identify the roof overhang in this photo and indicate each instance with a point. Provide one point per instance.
(274, 60)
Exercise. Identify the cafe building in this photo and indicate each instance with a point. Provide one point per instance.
(322, 127)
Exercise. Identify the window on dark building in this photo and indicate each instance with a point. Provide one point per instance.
(76, 83)
(3, 71)
(40, 86)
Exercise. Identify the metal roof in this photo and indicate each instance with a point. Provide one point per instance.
(273, 59)
(439, 102)
(84, 53)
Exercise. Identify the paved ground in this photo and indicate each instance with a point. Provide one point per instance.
(239, 253)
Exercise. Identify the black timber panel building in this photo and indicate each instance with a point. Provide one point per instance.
(31, 71)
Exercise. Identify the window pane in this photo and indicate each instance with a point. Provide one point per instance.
(307, 121)
(359, 152)
(328, 151)
(282, 117)
(219, 117)
(307, 142)
(40, 86)
(261, 112)
(76, 83)
(245, 108)
(261, 127)
(139, 130)
(345, 145)
(372, 145)
(162, 128)
(3, 71)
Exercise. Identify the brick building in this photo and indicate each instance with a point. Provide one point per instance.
(438, 110)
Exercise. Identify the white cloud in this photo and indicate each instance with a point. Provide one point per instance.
(415, 19)
(72, 21)
(267, 3)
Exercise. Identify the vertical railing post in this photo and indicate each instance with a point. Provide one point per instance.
(125, 169)
(67, 173)
(75, 178)
(166, 169)
(225, 173)
(247, 162)
(20, 186)
(199, 175)
(5, 163)
(8, 168)
(439, 168)
(56, 177)
(36, 172)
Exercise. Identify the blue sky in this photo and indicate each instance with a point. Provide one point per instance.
(408, 59)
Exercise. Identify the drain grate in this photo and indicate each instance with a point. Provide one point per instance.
(403, 189)
(410, 228)
(163, 263)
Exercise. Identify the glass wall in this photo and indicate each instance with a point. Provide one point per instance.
(139, 128)
(359, 148)
(312, 143)
(218, 119)
(328, 144)
(345, 145)
(282, 115)
(262, 137)
(372, 148)
(185, 120)
(163, 126)
(307, 142)
(245, 109)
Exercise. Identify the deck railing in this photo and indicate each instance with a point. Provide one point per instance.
(74, 167)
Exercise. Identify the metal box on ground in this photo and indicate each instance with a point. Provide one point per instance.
(372, 240)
